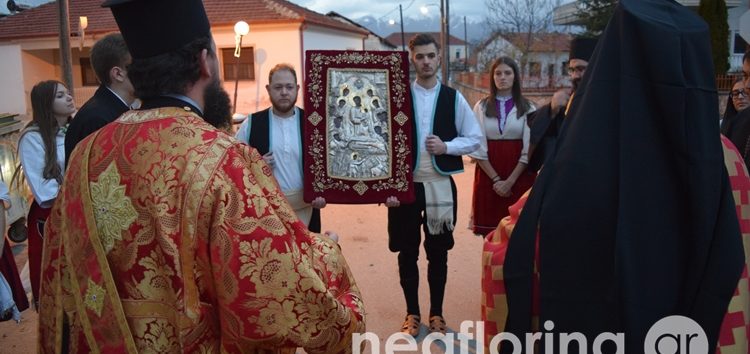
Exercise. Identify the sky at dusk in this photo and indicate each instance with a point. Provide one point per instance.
(474, 10)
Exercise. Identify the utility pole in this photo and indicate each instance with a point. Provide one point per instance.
(443, 41)
(447, 41)
(403, 41)
(66, 62)
(466, 47)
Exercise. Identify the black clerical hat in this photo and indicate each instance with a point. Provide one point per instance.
(582, 48)
(153, 27)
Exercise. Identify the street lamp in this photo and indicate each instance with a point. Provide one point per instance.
(241, 29)
(83, 23)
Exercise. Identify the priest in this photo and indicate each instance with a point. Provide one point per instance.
(169, 235)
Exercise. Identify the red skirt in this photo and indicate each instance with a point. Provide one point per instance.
(487, 207)
(35, 221)
(10, 272)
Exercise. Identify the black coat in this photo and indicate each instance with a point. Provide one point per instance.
(103, 108)
(737, 129)
(634, 211)
(544, 131)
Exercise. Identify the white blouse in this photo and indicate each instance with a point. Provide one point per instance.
(515, 129)
(31, 152)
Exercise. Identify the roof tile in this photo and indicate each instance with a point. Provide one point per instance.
(42, 21)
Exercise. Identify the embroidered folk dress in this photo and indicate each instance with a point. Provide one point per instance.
(505, 143)
(31, 152)
(171, 236)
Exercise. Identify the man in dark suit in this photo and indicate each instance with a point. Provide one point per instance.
(109, 57)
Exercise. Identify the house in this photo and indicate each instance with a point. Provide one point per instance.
(373, 41)
(457, 47)
(567, 14)
(280, 32)
(542, 57)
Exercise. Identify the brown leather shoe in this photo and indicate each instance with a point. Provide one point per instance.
(411, 325)
(437, 324)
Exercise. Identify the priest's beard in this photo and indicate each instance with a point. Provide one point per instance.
(217, 110)
(575, 83)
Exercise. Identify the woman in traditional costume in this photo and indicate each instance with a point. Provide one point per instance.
(42, 153)
(503, 155)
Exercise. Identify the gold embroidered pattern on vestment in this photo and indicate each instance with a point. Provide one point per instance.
(94, 298)
(113, 210)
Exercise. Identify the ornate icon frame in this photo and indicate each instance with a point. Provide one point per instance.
(358, 151)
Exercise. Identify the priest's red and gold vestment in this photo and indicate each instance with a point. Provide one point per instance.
(171, 236)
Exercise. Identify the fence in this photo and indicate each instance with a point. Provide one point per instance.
(724, 82)
(475, 86)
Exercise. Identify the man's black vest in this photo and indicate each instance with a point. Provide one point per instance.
(444, 126)
(260, 130)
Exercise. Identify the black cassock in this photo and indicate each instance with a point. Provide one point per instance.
(634, 210)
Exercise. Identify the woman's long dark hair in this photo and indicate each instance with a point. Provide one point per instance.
(522, 104)
(42, 99)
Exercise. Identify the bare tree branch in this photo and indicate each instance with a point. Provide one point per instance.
(524, 18)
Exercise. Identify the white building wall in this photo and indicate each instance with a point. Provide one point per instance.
(547, 60)
(272, 45)
(373, 43)
(38, 65)
(319, 38)
(461, 50)
(501, 47)
(735, 54)
(12, 92)
(27, 63)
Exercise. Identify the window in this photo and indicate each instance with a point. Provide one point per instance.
(564, 68)
(245, 64)
(88, 77)
(535, 69)
(458, 54)
(739, 44)
(550, 70)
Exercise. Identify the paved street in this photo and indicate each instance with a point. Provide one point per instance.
(362, 229)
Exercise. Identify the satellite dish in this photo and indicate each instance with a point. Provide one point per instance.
(13, 7)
